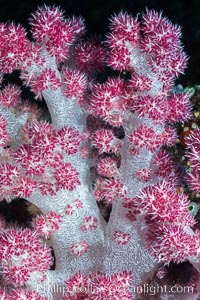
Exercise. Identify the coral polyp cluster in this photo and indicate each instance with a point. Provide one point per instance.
(104, 143)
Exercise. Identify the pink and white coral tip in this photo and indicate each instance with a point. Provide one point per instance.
(46, 224)
(90, 56)
(45, 21)
(10, 96)
(22, 253)
(105, 141)
(75, 84)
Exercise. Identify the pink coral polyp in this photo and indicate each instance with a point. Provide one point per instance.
(21, 254)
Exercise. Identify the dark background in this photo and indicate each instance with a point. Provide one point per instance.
(97, 14)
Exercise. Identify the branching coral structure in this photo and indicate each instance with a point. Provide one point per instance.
(118, 128)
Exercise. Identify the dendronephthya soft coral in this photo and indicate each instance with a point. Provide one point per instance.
(49, 163)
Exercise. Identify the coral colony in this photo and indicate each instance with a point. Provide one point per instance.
(116, 128)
